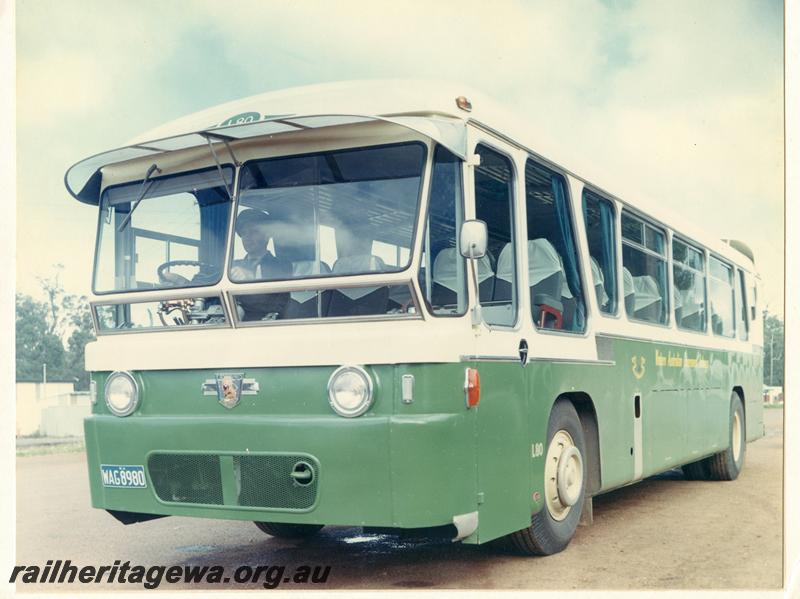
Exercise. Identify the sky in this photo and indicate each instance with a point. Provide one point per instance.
(679, 101)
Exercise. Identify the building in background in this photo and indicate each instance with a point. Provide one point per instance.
(51, 409)
(773, 394)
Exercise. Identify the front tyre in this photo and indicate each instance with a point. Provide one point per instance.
(553, 527)
(288, 531)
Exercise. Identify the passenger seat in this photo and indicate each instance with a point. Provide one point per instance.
(598, 279)
(303, 304)
(444, 286)
(547, 280)
(629, 291)
(358, 301)
(648, 299)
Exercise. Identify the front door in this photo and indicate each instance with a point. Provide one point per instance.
(502, 423)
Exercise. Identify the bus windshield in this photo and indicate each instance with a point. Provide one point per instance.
(163, 232)
(333, 213)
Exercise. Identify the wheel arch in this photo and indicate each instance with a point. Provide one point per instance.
(587, 414)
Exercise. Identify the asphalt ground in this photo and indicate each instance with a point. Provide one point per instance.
(662, 533)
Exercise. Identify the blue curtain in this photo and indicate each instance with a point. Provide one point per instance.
(570, 251)
(214, 208)
(609, 263)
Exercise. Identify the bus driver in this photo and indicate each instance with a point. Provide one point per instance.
(253, 227)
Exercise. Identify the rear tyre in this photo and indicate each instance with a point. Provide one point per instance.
(695, 470)
(553, 527)
(289, 531)
(727, 464)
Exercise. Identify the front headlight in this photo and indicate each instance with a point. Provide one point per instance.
(350, 391)
(122, 393)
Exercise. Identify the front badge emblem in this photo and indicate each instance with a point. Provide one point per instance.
(229, 389)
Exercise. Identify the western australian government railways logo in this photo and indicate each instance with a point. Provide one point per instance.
(670, 360)
(684, 360)
(245, 118)
(229, 389)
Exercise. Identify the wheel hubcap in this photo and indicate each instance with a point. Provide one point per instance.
(736, 437)
(563, 475)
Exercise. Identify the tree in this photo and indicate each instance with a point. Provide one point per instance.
(36, 343)
(44, 328)
(82, 333)
(773, 350)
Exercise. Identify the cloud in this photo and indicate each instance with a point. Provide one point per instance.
(57, 87)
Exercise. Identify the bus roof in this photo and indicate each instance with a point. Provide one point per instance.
(426, 106)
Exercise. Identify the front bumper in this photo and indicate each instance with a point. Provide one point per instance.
(393, 471)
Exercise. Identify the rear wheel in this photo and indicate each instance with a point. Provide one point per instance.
(553, 527)
(288, 531)
(695, 470)
(725, 465)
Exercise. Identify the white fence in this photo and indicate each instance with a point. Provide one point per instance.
(52, 410)
(64, 421)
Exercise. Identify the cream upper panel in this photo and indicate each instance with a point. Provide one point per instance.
(284, 144)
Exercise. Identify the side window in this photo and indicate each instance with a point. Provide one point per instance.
(743, 324)
(689, 286)
(441, 276)
(644, 270)
(598, 214)
(720, 290)
(553, 275)
(494, 205)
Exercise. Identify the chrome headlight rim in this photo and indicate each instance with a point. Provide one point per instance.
(366, 405)
(134, 402)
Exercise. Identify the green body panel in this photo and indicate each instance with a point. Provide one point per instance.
(421, 464)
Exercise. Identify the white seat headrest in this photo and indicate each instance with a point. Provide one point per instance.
(646, 291)
(627, 282)
(445, 269)
(305, 268)
(358, 264)
(599, 282)
(543, 261)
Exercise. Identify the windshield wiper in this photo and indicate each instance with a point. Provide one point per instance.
(224, 140)
(146, 184)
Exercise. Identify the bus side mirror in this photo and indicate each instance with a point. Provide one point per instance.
(473, 239)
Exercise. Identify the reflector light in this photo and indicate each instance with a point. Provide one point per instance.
(472, 387)
(464, 104)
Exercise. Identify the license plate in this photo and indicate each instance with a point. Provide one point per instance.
(123, 477)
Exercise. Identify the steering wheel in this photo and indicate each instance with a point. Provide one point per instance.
(207, 275)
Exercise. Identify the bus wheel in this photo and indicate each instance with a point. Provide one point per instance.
(727, 464)
(553, 527)
(696, 470)
(289, 531)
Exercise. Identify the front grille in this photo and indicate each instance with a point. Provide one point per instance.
(263, 481)
(266, 481)
(186, 477)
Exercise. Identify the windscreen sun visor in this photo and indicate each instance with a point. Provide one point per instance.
(84, 179)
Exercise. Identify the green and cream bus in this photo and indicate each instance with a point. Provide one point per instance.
(383, 304)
